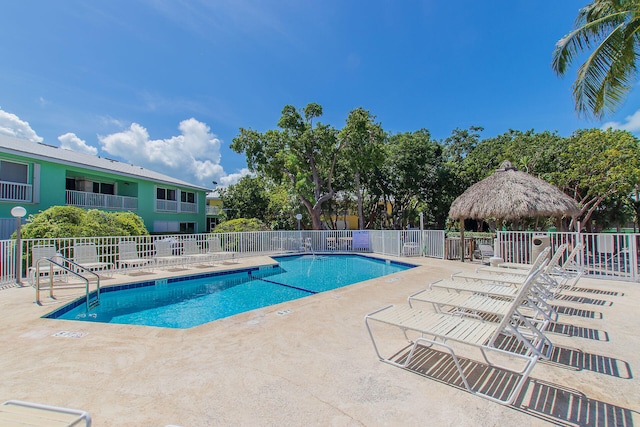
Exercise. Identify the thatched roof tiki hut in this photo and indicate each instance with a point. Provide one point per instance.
(509, 194)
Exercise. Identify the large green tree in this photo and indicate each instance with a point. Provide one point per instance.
(257, 197)
(610, 30)
(409, 177)
(247, 198)
(363, 140)
(598, 166)
(302, 153)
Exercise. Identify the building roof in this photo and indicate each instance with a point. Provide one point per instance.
(36, 150)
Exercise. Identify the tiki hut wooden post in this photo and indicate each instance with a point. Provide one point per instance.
(462, 240)
(509, 194)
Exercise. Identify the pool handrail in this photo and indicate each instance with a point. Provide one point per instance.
(72, 268)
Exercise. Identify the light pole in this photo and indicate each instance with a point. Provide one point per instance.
(299, 217)
(18, 212)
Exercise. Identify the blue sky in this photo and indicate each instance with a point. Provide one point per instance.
(166, 84)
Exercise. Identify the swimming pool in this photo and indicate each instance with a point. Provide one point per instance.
(184, 302)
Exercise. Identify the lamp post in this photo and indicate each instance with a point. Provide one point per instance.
(18, 212)
(299, 217)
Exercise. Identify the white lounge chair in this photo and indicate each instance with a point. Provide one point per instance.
(410, 249)
(570, 270)
(555, 282)
(21, 413)
(451, 331)
(332, 245)
(481, 287)
(86, 255)
(506, 277)
(491, 300)
(215, 249)
(193, 254)
(510, 269)
(41, 266)
(307, 246)
(483, 251)
(128, 257)
(164, 254)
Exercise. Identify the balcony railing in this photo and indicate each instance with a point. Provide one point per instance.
(214, 210)
(174, 206)
(101, 201)
(16, 192)
(188, 207)
(166, 205)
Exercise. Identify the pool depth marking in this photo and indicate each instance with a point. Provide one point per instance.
(282, 284)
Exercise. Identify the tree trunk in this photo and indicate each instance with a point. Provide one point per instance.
(360, 208)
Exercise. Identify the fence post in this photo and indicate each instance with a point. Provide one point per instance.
(633, 256)
(18, 259)
(444, 244)
(578, 240)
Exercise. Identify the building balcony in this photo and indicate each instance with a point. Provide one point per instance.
(101, 201)
(174, 206)
(214, 210)
(15, 192)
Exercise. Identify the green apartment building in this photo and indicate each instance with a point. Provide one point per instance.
(37, 176)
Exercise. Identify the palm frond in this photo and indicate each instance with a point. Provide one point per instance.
(611, 29)
(601, 8)
(581, 39)
(603, 78)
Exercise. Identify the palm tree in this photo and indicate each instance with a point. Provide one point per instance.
(611, 28)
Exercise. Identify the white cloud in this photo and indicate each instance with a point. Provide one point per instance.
(11, 125)
(631, 123)
(110, 121)
(70, 141)
(233, 178)
(195, 153)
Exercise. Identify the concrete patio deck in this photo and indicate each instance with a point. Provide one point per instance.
(311, 362)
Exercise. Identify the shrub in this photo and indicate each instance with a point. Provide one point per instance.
(240, 224)
(72, 221)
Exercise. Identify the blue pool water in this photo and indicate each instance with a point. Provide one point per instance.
(195, 300)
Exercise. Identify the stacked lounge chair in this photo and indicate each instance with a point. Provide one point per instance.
(497, 312)
(452, 332)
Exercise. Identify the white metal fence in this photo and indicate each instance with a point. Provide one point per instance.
(604, 255)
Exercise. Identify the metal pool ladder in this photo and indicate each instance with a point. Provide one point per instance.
(65, 266)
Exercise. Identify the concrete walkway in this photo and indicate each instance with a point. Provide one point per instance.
(311, 362)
